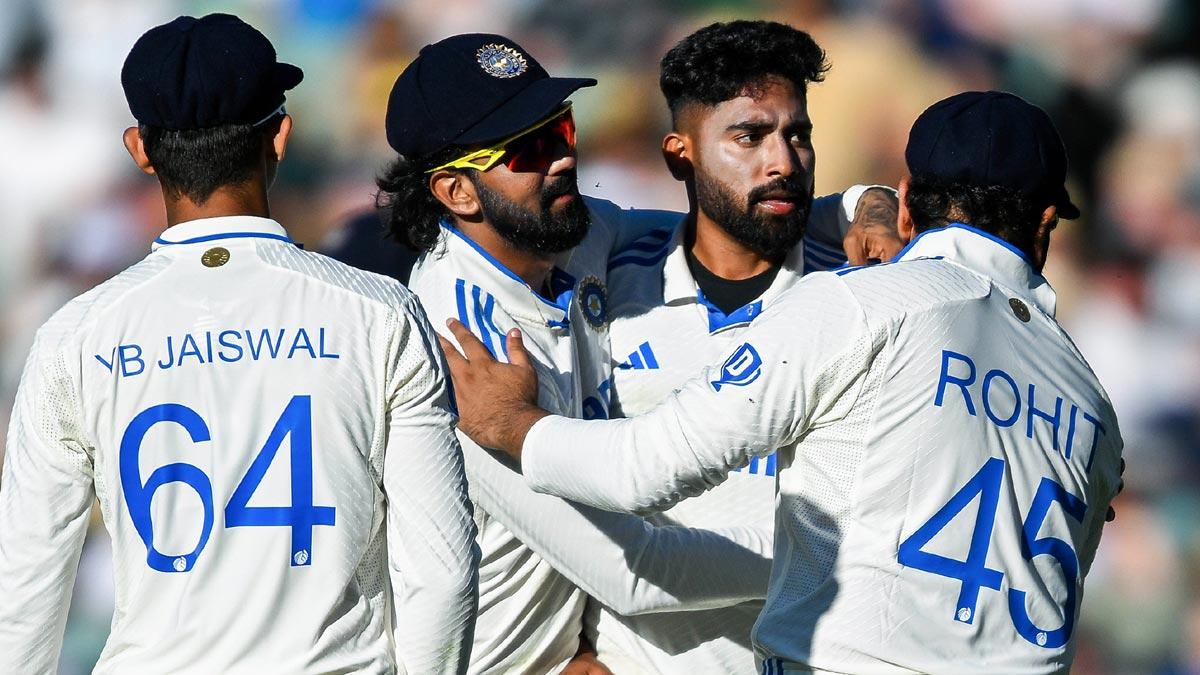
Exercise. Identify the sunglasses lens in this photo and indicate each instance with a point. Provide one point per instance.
(538, 150)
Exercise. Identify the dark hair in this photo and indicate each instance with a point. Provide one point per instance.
(934, 202)
(196, 162)
(413, 212)
(721, 61)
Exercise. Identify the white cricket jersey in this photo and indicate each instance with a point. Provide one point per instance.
(269, 436)
(663, 332)
(542, 555)
(947, 458)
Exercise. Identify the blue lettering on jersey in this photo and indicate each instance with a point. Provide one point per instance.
(1000, 397)
(225, 346)
(741, 368)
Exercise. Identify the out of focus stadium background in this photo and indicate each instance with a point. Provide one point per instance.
(1120, 77)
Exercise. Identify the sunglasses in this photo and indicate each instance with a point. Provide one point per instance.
(533, 149)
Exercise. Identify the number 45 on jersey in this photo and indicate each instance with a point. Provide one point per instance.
(301, 516)
(974, 572)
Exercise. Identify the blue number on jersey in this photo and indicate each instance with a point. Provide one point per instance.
(138, 496)
(301, 516)
(1048, 492)
(974, 574)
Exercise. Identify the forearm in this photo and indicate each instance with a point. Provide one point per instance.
(624, 561)
(44, 515)
(605, 466)
(432, 556)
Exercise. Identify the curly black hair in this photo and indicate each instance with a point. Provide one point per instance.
(722, 61)
(934, 202)
(412, 212)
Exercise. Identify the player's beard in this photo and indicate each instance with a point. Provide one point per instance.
(544, 231)
(770, 236)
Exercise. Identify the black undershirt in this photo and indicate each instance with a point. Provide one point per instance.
(727, 294)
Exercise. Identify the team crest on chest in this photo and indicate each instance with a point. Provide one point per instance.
(593, 302)
(501, 61)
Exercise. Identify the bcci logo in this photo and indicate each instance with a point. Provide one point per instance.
(740, 369)
(501, 61)
(593, 302)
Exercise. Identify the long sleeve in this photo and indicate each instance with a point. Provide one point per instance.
(433, 559)
(624, 561)
(798, 366)
(45, 501)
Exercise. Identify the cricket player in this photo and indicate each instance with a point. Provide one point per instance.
(268, 432)
(948, 457)
(741, 143)
(511, 242)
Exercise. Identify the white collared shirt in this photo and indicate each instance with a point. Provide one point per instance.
(663, 331)
(947, 461)
(542, 556)
(269, 435)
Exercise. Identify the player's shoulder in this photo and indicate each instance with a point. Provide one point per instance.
(75, 317)
(909, 286)
(318, 268)
(626, 235)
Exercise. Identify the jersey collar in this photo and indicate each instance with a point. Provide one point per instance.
(679, 286)
(206, 230)
(516, 296)
(987, 254)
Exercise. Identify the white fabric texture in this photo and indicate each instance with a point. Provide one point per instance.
(270, 438)
(662, 333)
(541, 554)
(947, 457)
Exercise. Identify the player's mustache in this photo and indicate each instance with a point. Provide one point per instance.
(780, 188)
(562, 185)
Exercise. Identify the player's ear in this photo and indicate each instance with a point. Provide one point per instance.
(137, 149)
(456, 192)
(905, 226)
(1041, 238)
(279, 138)
(677, 152)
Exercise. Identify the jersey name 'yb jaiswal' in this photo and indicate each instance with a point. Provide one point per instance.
(214, 347)
(967, 382)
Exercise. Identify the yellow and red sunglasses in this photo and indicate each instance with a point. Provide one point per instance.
(533, 149)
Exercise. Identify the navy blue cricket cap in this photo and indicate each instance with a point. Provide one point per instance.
(198, 73)
(992, 138)
(468, 90)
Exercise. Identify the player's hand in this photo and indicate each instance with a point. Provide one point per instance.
(872, 236)
(497, 402)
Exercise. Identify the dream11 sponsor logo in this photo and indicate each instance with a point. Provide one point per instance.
(740, 369)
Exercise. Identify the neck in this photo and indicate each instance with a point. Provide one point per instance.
(533, 268)
(248, 199)
(720, 253)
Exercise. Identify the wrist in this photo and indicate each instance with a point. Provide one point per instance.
(519, 425)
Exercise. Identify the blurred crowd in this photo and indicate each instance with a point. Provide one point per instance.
(1121, 78)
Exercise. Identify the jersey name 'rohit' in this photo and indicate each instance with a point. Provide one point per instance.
(228, 346)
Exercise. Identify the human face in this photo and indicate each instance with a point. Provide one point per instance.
(753, 165)
(535, 211)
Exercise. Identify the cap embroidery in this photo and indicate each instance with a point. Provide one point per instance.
(501, 61)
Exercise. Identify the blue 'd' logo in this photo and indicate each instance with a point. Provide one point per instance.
(740, 369)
